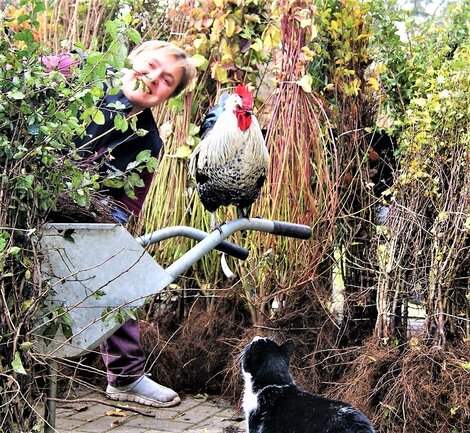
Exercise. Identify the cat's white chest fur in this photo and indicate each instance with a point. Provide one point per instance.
(250, 399)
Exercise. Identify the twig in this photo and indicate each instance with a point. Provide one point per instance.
(116, 405)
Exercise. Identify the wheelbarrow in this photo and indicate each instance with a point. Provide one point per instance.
(98, 271)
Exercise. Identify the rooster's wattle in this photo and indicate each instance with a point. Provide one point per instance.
(231, 161)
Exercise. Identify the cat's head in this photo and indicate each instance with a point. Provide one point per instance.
(267, 363)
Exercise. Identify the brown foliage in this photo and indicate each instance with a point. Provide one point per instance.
(415, 388)
(193, 354)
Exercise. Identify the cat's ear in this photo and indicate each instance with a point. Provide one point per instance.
(288, 348)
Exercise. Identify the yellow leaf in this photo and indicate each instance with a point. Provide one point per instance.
(313, 32)
(165, 130)
(190, 141)
(373, 83)
(306, 83)
(257, 45)
(308, 54)
(219, 3)
(442, 215)
(363, 36)
(219, 73)
(334, 25)
(380, 68)
(229, 27)
(199, 43)
(183, 152)
(193, 129)
(253, 18)
(272, 37)
(420, 102)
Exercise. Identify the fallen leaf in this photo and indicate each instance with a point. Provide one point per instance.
(116, 412)
(116, 423)
(80, 407)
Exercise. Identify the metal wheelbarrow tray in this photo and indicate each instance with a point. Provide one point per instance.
(96, 270)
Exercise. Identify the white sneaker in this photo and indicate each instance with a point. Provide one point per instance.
(144, 391)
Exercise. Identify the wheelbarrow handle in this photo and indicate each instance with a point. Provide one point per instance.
(190, 232)
(213, 239)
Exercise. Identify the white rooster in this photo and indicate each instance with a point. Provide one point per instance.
(231, 161)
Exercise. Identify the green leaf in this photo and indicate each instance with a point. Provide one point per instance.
(67, 330)
(152, 164)
(113, 182)
(143, 156)
(98, 294)
(25, 36)
(200, 62)
(257, 46)
(14, 251)
(26, 305)
(135, 180)
(98, 117)
(112, 27)
(16, 94)
(141, 132)
(129, 190)
(120, 123)
(22, 18)
(134, 36)
(17, 365)
(183, 152)
(27, 345)
(118, 105)
(92, 114)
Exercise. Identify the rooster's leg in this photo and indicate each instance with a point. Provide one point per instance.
(215, 225)
(243, 212)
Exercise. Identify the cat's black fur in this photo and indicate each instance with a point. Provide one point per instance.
(274, 404)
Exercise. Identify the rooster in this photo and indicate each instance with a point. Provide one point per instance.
(231, 161)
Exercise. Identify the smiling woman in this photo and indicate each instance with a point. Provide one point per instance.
(159, 71)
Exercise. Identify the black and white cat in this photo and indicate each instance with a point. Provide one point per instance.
(274, 404)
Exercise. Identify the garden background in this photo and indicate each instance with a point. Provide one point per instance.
(365, 107)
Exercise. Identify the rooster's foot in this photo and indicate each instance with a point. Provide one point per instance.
(215, 225)
(218, 226)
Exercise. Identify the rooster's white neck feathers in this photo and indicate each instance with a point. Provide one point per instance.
(226, 139)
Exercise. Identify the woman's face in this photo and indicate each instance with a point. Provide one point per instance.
(152, 80)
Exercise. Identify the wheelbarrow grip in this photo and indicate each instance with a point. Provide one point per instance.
(233, 250)
(224, 246)
(292, 230)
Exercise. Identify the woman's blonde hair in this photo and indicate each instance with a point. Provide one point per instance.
(189, 70)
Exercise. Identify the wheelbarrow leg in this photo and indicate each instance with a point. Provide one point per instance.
(50, 406)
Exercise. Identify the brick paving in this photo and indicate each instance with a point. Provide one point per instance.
(195, 414)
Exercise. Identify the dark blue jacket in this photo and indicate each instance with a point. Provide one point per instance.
(124, 147)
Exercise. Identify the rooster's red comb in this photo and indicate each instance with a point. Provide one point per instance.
(247, 98)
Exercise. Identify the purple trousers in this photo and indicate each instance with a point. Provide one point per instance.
(123, 356)
(122, 353)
